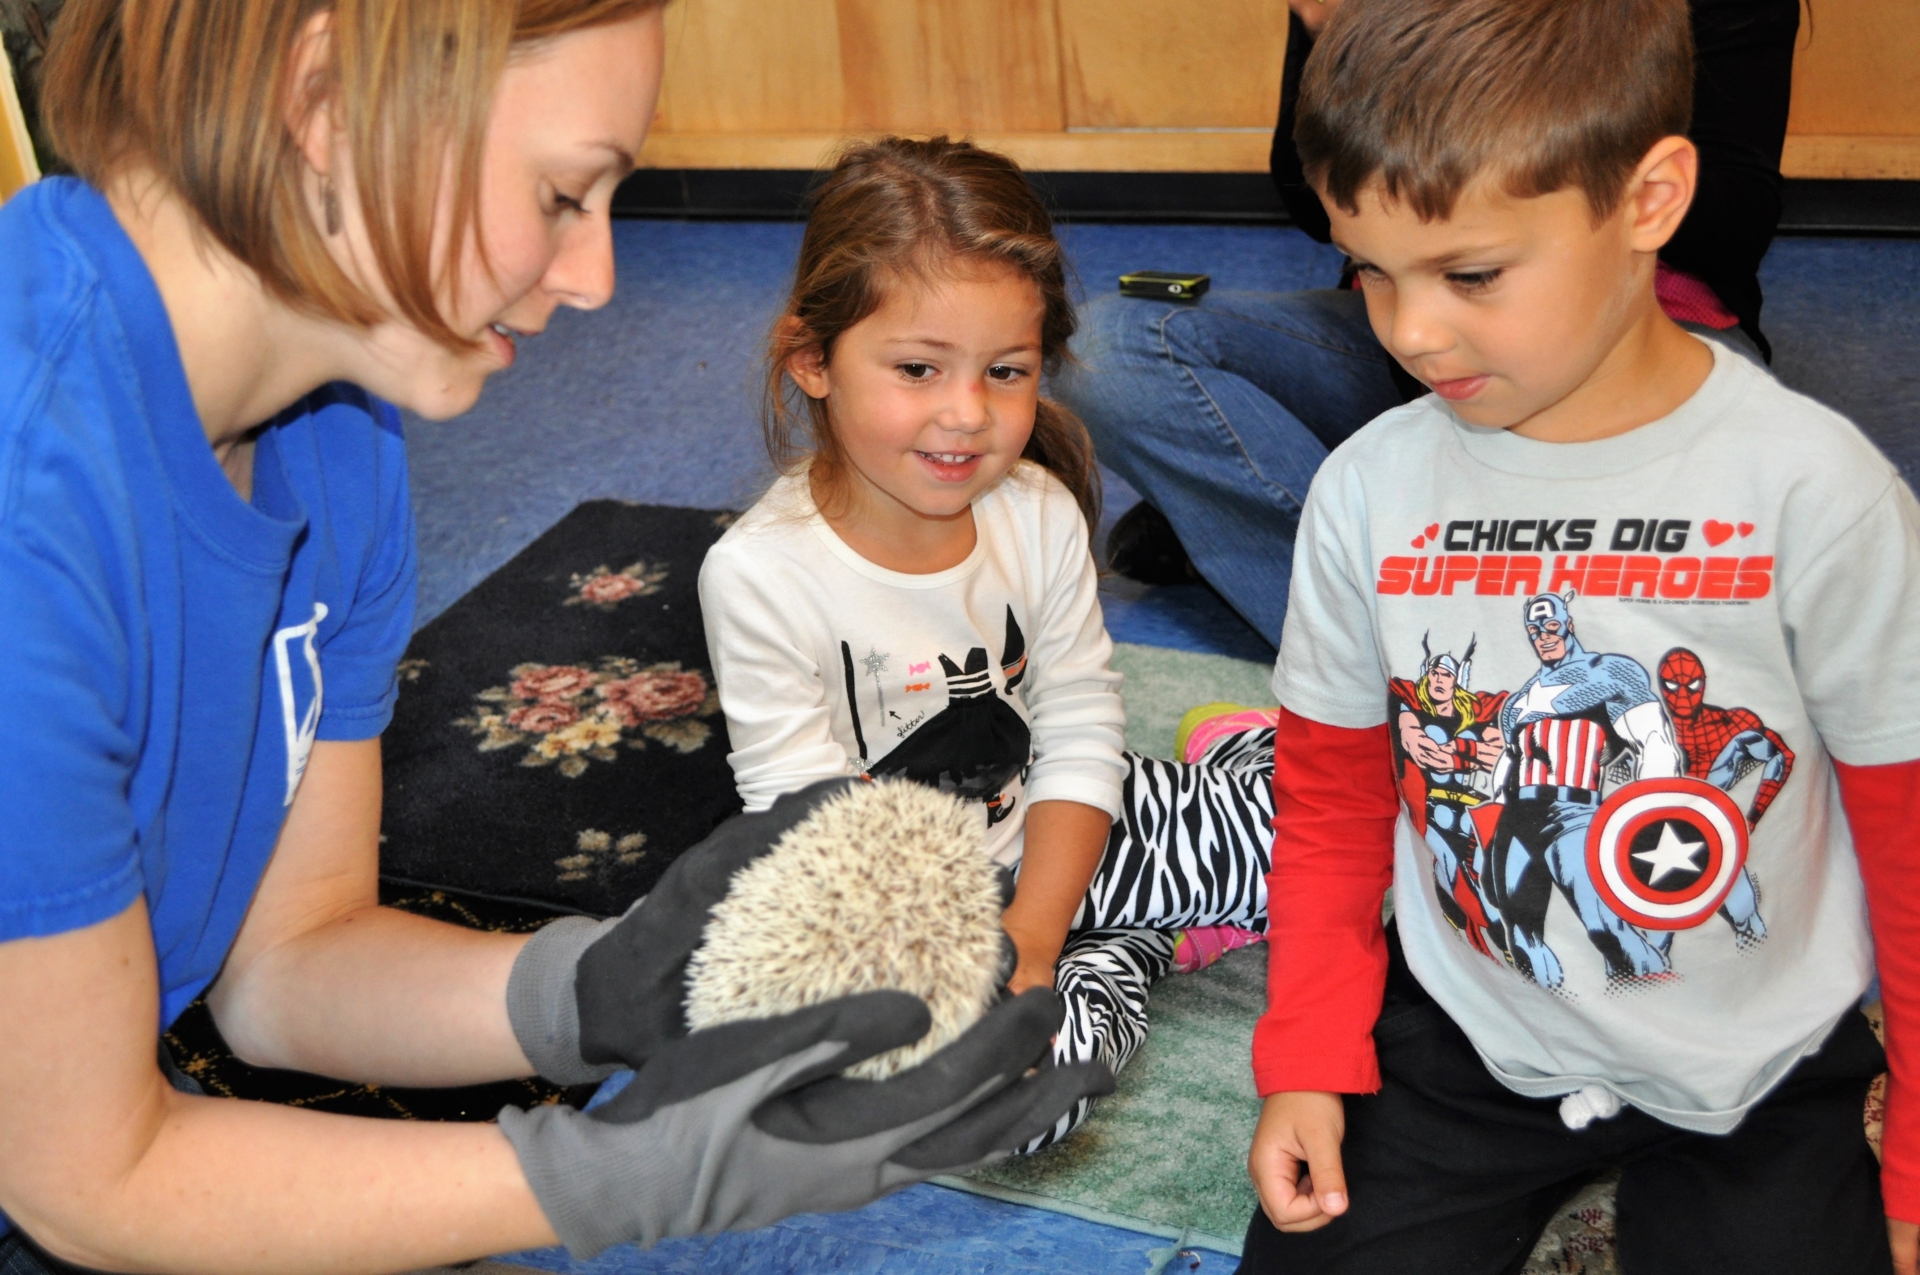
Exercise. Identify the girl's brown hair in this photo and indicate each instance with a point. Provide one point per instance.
(201, 92)
(893, 209)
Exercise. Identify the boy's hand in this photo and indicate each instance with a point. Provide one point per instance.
(1905, 1238)
(1295, 1161)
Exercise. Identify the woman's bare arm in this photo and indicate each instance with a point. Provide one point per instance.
(108, 1167)
(322, 979)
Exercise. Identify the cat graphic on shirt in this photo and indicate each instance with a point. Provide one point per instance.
(976, 745)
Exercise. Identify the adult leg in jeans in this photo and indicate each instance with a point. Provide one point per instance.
(1220, 412)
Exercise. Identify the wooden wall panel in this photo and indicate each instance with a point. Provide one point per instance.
(1857, 68)
(1137, 85)
(752, 66)
(950, 66)
(1198, 151)
(1172, 63)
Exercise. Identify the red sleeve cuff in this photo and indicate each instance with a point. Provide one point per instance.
(1901, 1192)
(1276, 1072)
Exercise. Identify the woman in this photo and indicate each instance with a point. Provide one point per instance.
(290, 210)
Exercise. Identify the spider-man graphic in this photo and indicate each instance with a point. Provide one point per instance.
(1721, 745)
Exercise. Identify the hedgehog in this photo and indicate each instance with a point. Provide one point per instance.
(884, 885)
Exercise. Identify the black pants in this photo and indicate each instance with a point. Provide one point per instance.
(1451, 1173)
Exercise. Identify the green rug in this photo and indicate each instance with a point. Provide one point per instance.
(1167, 1153)
(1162, 684)
(1169, 1147)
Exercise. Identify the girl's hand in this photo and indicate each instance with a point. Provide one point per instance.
(1905, 1239)
(1064, 842)
(1295, 1160)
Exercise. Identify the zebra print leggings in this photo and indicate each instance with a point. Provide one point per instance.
(1190, 848)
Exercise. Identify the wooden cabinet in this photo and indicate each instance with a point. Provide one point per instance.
(1136, 85)
(1856, 91)
(1063, 85)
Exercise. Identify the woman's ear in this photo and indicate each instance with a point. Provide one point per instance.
(807, 365)
(309, 113)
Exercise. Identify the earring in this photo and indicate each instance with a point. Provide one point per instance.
(330, 205)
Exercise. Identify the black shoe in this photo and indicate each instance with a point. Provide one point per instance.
(1143, 546)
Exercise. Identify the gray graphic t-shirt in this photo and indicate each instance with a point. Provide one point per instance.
(1612, 675)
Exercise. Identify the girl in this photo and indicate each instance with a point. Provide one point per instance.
(915, 595)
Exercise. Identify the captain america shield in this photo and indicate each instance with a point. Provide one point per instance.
(1663, 853)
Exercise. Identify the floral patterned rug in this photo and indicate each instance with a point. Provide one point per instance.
(558, 738)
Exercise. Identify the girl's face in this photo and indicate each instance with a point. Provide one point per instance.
(566, 121)
(932, 396)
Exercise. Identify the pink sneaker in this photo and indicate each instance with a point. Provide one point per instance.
(1202, 945)
(1201, 726)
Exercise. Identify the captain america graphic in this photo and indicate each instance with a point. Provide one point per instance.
(1579, 713)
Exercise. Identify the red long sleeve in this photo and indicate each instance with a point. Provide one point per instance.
(1334, 812)
(1883, 809)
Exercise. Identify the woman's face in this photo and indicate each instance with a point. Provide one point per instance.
(566, 121)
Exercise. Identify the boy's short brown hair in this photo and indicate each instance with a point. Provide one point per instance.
(1423, 96)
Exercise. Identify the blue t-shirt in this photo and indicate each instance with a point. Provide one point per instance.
(168, 651)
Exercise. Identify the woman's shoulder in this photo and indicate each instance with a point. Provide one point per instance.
(48, 268)
(48, 380)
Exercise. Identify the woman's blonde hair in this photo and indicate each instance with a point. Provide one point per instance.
(896, 208)
(201, 92)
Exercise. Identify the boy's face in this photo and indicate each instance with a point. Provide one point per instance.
(1507, 307)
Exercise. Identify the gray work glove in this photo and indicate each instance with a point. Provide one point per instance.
(743, 1124)
(588, 998)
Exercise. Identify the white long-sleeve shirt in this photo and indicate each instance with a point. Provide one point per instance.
(990, 678)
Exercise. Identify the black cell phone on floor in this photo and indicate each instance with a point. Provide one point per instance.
(1164, 285)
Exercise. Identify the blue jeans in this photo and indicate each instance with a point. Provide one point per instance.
(18, 1256)
(1219, 412)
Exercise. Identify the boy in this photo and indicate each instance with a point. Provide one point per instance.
(1646, 947)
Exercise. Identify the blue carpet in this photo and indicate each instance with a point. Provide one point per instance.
(924, 1230)
(657, 400)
